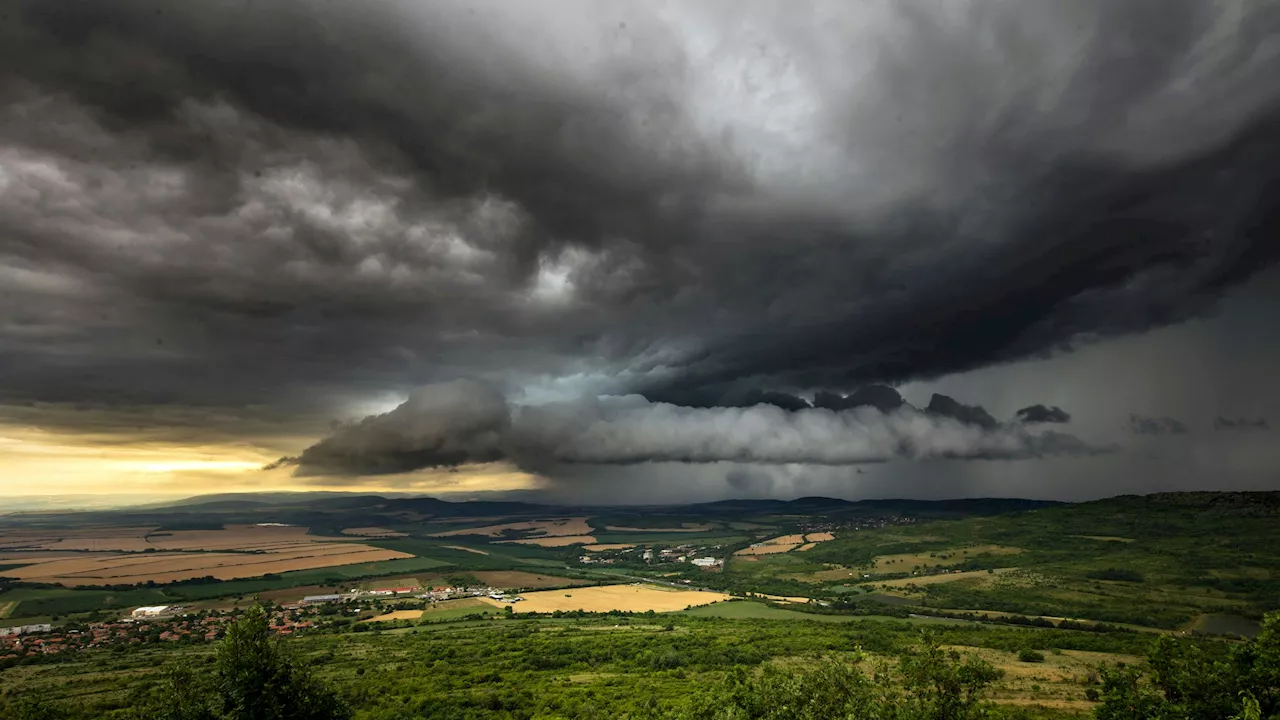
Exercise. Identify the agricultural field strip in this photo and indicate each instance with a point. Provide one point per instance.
(544, 528)
(110, 561)
(685, 527)
(234, 572)
(941, 577)
(636, 598)
(554, 541)
(190, 561)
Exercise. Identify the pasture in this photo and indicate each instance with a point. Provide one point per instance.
(534, 528)
(374, 532)
(558, 541)
(464, 548)
(603, 598)
(941, 578)
(946, 557)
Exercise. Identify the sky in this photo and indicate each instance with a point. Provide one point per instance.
(639, 252)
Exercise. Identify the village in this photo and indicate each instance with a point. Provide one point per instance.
(175, 623)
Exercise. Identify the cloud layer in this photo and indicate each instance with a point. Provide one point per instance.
(468, 422)
(694, 202)
(736, 225)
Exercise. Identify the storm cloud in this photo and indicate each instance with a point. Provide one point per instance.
(1043, 414)
(467, 422)
(1224, 423)
(698, 216)
(355, 189)
(1142, 425)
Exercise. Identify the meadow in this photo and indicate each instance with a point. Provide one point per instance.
(447, 664)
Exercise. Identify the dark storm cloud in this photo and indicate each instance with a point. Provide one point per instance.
(1224, 423)
(968, 414)
(438, 426)
(881, 397)
(468, 422)
(1043, 414)
(1142, 425)
(271, 200)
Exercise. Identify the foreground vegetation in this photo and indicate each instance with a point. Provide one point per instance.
(682, 667)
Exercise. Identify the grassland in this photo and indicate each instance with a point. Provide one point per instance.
(449, 666)
(626, 598)
(532, 528)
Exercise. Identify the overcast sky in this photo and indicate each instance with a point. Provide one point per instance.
(640, 251)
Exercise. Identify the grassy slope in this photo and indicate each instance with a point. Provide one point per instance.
(550, 668)
(1188, 555)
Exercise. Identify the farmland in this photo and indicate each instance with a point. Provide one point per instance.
(128, 556)
(626, 598)
(972, 575)
(1102, 562)
(539, 528)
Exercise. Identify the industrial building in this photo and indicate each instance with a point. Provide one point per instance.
(151, 611)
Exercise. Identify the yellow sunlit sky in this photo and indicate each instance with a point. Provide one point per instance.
(38, 462)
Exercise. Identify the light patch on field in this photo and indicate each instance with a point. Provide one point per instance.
(780, 544)
(7, 608)
(555, 541)
(819, 537)
(373, 532)
(766, 549)
(544, 528)
(784, 598)
(446, 606)
(1057, 682)
(941, 578)
(832, 573)
(608, 546)
(632, 598)
(398, 615)
(684, 527)
(1106, 538)
(465, 549)
(806, 546)
(908, 562)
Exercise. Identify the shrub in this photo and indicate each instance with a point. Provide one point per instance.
(1028, 655)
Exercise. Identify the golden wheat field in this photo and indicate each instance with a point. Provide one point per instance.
(398, 615)
(113, 556)
(632, 598)
(608, 546)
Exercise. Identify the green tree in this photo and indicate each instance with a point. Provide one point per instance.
(257, 679)
(1183, 681)
(35, 707)
(253, 678)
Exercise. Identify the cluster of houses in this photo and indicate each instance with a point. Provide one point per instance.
(428, 594)
(688, 553)
(169, 625)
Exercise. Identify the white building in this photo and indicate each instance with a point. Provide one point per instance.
(26, 629)
(151, 611)
(705, 562)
